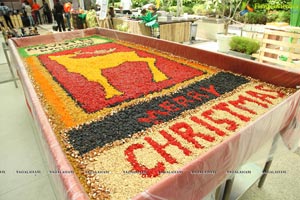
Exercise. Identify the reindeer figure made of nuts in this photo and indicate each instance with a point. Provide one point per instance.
(91, 67)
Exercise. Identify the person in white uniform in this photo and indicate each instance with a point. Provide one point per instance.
(126, 6)
(99, 2)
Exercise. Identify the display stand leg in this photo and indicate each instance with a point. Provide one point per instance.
(218, 193)
(227, 189)
(104, 23)
(269, 162)
(264, 176)
(152, 32)
(5, 49)
(155, 32)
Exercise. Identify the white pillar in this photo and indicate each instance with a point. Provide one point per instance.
(51, 4)
(81, 3)
(78, 4)
(75, 4)
(179, 8)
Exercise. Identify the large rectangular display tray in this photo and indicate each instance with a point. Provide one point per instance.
(228, 155)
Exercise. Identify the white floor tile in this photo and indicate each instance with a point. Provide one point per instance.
(34, 190)
(2, 56)
(18, 149)
(4, 72)
(279, 186)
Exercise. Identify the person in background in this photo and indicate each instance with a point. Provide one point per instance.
(28, 11)
(67, 9)
(23, 8)
(147, 6)
(24, 3)
(149, 18)
(126, 6)
(58, 13)
(143, 13)
(153, 10)
(47, 12)
(5, 11)
(36, 10)
(1, 25)
(111, 14)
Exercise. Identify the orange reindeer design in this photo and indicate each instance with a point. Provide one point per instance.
(91, 67)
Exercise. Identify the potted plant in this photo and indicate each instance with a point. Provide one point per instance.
(209, 22)
(226, 10)
(243, 46)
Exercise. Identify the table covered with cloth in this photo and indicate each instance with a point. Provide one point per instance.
(190, 183)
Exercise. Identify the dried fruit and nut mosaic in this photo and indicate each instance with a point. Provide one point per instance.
(126, 114)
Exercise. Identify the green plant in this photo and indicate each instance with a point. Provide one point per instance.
(114, 3)
(283, 16)
(201, 9)
(181, 6)
(255, 18)
(188, 10)
(172, 9)
(122, 27)
(117, 4)
(190, 3)
(214, 6)
(244, 45)
(226, 9)
(139, 3)
(272, 16)
(279, 16)
(278, 2)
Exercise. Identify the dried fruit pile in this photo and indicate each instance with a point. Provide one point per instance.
(128, 116)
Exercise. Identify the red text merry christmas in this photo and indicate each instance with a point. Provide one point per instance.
(207, 119)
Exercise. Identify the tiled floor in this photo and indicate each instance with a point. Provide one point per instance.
(19, 151)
